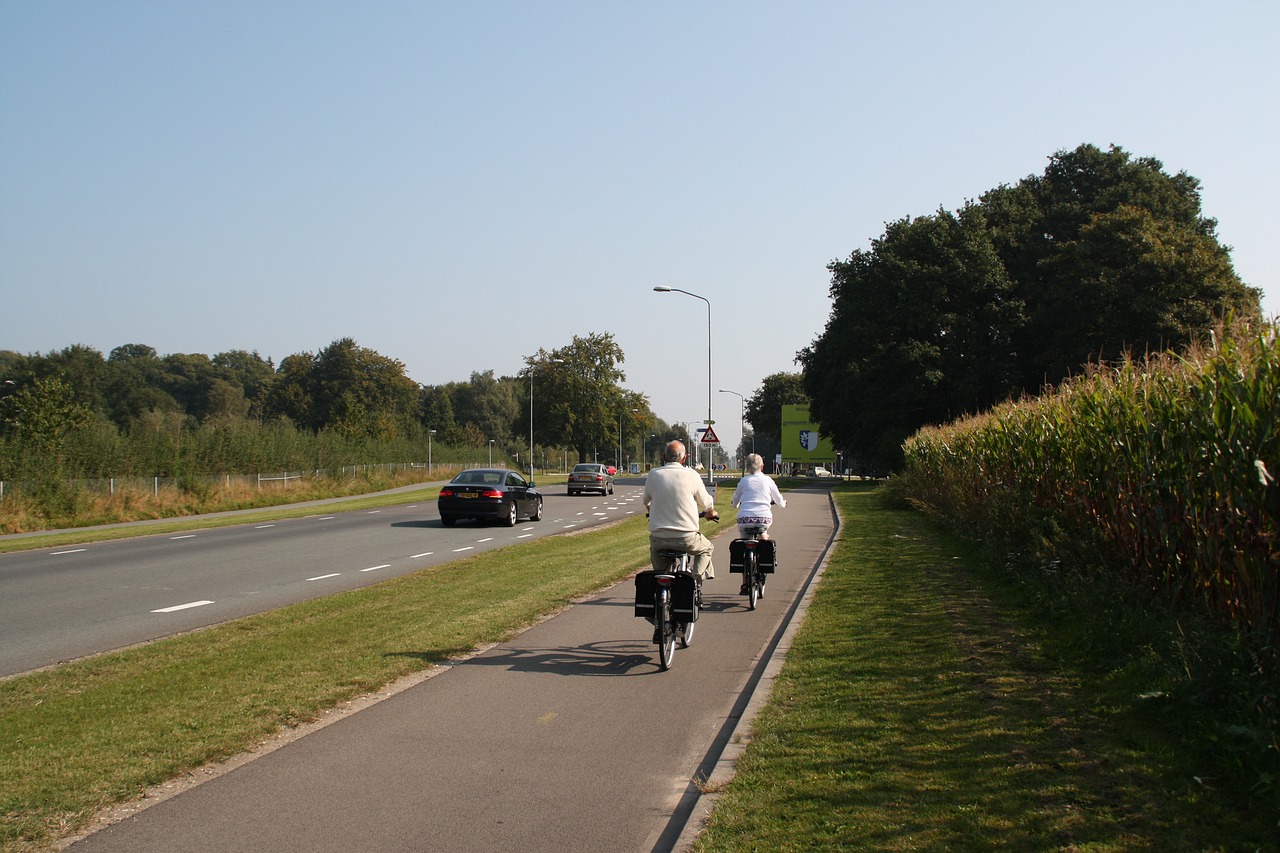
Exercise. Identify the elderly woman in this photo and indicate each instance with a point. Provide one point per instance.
(755, 494)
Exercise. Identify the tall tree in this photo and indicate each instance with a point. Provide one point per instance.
(764, 410)
(579, 395)
(920, 331)
(951, 313)
(488, 405)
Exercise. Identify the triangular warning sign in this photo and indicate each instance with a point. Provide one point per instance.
(709, 437)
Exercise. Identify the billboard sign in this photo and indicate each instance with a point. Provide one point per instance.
(801, 442)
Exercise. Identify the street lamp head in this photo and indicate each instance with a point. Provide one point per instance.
(662, 288)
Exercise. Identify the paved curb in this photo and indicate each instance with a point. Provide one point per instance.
(726, 765)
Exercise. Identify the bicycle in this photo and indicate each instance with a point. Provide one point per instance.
(754, 558)
(671, 598)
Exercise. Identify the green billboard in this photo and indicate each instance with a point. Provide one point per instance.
(801, 442)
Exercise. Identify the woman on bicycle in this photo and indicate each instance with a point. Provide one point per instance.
(755, 494)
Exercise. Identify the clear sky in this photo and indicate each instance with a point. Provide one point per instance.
(457, 184)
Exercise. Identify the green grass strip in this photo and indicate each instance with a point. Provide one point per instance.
(919, 709)
(92, 733)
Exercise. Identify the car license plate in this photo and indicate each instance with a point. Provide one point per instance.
(467, 495)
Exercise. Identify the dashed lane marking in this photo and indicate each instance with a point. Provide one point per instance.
(178, 607)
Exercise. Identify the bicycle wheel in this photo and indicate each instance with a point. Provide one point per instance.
(666, 629)
(751, 571)
(686, 633)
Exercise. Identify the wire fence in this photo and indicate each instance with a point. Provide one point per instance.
(264, 480)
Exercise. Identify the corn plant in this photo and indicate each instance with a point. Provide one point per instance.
(1165, 470)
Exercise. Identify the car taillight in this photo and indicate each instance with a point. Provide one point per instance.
(491, 493)
(599, 478)
(446, 493)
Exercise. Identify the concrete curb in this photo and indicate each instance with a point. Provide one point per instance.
(726, 763)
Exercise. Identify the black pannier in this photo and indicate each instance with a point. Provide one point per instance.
(682, 592)
(766, 555)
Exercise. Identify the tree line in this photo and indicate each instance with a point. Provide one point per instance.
(77, 413)
(951, 313)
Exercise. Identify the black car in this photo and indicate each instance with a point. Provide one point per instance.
(496, 494)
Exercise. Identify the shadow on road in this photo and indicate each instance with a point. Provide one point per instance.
(612, 658)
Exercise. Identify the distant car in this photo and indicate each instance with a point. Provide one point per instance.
(590, 477)
(489, 494)
(613, 472)
(821, 473)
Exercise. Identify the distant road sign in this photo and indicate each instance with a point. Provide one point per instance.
(709, 437)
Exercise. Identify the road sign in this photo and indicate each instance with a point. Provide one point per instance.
(709, 437)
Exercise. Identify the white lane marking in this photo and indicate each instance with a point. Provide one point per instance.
(72, 551)
(186, 606)
(263, 526)
(325, 518)
(600, 514)
(374, 511)
(524, 535)
(324, 577)
(571, 524)
(490, 539)
(460, 550)
(184, 536)
(375, 568)
(423, 554)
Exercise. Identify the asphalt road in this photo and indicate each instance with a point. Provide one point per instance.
(57, 604)
(567, 738)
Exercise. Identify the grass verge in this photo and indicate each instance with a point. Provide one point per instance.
(923, 708)
(96, 732)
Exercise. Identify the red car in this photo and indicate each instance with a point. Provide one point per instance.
(612, 470)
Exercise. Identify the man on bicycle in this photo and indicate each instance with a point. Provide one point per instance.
(675, 496)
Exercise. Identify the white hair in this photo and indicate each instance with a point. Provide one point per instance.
(754, 463)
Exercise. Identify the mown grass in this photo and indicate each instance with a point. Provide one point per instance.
(83, 736)
(923, 707)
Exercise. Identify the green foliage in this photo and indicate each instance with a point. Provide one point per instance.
(949, 314)
(578, 390)
(764, 410)
(1159, 476)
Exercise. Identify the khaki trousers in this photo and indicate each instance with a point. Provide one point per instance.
(692, 543)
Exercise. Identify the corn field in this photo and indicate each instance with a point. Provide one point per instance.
(1165, 471)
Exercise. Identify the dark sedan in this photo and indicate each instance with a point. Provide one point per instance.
(489, 494)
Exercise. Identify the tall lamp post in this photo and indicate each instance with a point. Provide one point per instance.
(429, 434)
(742, 424)
(662, 288)
(531, 369)
(491, 453)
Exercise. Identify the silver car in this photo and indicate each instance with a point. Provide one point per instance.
(590, 477)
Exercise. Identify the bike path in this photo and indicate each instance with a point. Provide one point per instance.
(568, 737)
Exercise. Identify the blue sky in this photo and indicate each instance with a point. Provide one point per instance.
(456, 185)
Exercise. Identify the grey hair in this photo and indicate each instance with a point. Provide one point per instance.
(754, 463)
(674, 451)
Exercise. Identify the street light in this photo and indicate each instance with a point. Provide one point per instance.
(742, 421)
(531, 367)
(429, 434)
(662, 288)
(491, 453)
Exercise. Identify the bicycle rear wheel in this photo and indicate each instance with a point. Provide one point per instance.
(666, 630)
(752, 573)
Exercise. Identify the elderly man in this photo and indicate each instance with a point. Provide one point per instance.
(675, 496)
